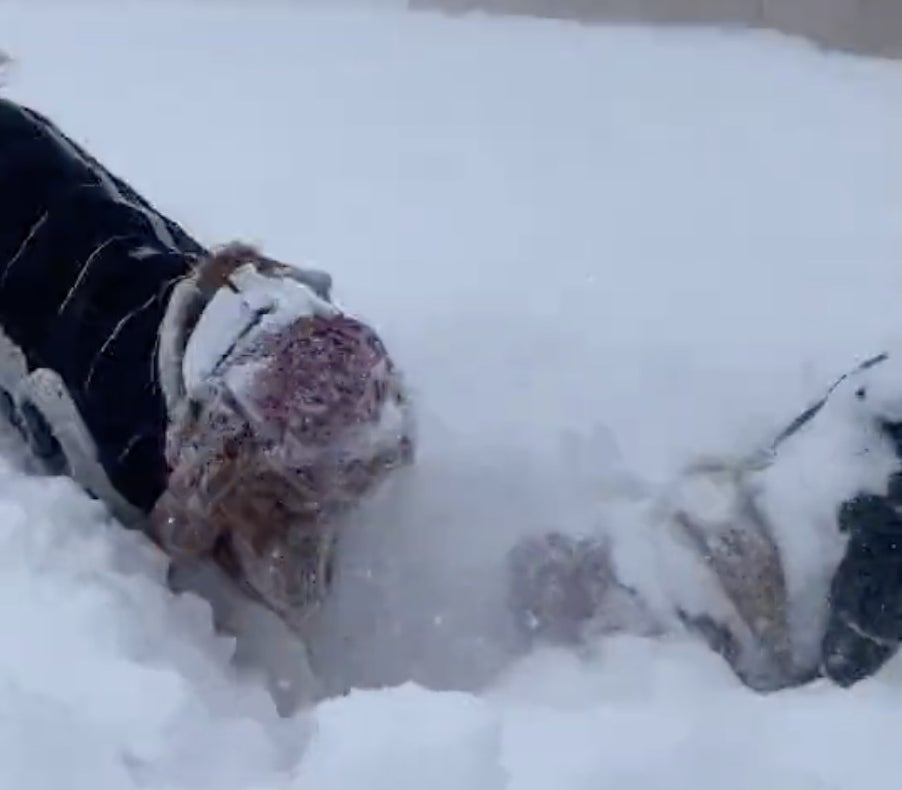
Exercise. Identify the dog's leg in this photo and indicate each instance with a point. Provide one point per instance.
(58, 433)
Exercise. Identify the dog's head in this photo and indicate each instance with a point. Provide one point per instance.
(292, 413)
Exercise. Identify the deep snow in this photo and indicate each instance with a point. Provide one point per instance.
(596, 252)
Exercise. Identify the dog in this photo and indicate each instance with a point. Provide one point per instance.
(216, 399)
(788, 567)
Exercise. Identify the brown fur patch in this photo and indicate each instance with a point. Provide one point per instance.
(213, 272)
(746, 562)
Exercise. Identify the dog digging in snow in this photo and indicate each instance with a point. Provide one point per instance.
(221, 402)
(218, 400)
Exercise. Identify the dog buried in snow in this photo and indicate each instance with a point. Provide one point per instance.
(221, 402)
(218, 400)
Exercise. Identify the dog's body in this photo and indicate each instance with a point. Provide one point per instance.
(86, 271)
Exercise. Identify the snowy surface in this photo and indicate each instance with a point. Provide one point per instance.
(597, 253)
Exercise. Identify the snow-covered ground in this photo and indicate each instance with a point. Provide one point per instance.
(633, 244)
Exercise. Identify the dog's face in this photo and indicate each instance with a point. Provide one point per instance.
(295, 428)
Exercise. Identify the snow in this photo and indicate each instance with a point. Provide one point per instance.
(407, 738)
(259, 304)
(599, 254)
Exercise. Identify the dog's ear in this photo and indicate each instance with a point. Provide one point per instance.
(178, 530)
(213, 272)
(735, 541)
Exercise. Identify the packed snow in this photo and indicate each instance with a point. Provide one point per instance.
(597, 253)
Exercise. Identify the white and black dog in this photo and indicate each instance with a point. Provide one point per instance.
(219, 400)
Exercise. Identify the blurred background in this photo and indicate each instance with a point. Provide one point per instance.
(867, 26)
